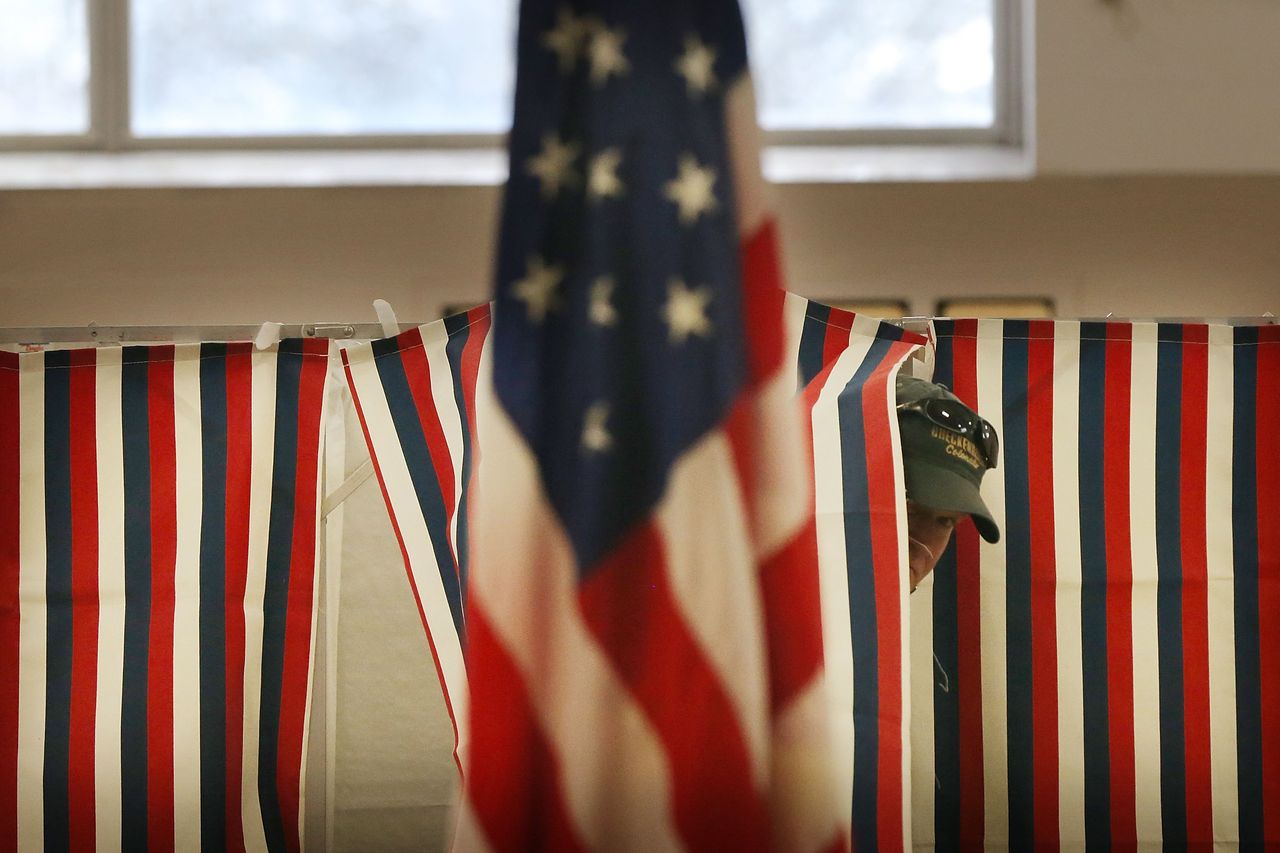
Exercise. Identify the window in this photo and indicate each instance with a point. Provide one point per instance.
(128, 74)
(44, 68)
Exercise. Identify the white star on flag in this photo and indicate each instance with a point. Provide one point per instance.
(686, 311)
(565, 39)
(697, 66)
(692, 189)
(537, 290)
(602, 174)
(595, 437)
(553, 165)
(601, 310)
(605, 53)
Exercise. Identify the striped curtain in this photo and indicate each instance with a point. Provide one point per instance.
(1109, 672)
(415, 398)
(848, 365)
(158, 519)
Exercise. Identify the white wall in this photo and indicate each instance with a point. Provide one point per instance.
(1141, 107)
(1155, 245)
(1149, 86)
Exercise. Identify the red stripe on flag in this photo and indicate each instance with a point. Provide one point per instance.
(516, 790)
(1044, 621)
(741, 429)
(1116, 416)
(164, 524)
(301, 596)
(1268, 484)
(762, 301)
(799, 621)
(239, 467)
(968, 680)
(10, 531)
(882, 503)
(84, 596)
(793, 616)
(404, 553)
(631, 609)
(1195, 585)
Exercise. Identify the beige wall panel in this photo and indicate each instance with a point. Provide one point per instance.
(1172, 246)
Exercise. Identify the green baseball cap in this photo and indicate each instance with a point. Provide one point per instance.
(946, 448)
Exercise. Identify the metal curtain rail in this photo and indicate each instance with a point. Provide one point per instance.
(921, 323)
(1261, 320)
(94, 333)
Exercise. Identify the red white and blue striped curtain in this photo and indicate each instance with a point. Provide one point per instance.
(415, 396)
(848, 365)
(158, 518)
(1109, 672)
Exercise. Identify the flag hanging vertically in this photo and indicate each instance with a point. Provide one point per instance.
(642, 625)
(158, 517)
(415, 395)
(1108, 674)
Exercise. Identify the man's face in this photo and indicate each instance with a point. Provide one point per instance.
(929, 530)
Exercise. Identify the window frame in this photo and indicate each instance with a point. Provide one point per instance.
(109, 102)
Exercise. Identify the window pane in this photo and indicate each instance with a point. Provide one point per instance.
(44, 67)
(872, 63)
(260, 67)
(254, 67)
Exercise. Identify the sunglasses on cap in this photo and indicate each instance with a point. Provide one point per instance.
(960, 419)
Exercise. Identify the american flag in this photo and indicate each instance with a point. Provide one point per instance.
(158, 517)
(643, 626)
(415, 395)
(1108, 674)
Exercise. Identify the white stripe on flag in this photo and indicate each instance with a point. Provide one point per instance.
(1221, 592)
(110, 452)
(414, 534)
(435, 340)
(995, 696)
(263, 408)
(32, 661)
(782, 494)
(571, 685)
(1146, 642)
(804, 819)
(743, 131)
(1067, 562)
(189, 482)
(716, 608)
